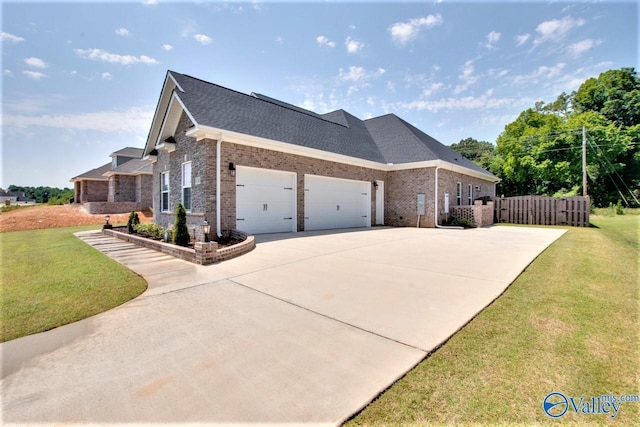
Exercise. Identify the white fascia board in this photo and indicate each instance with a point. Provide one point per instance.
(165, 95)
(171, 119)
(206, 132)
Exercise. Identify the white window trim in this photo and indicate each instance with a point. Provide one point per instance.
(470, 186)
(183, 186)
(458, 193)
(168, 207)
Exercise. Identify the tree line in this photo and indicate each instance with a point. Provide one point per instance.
(50, 195)
(540, 152)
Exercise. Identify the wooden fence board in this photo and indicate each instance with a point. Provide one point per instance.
(543, 210)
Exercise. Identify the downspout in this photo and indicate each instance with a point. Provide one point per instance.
(218, 198)
(435, 218)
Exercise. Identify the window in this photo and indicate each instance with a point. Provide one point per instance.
(164, 191)
(470, 194)
(186, 186)
(459, 193)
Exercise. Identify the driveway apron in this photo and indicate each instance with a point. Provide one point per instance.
(307, 328)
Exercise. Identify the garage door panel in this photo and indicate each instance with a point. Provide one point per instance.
(336, 203)
(265, 200)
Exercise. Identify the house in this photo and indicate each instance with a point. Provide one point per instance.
(8, 197)
(122, 185)
(260, 165)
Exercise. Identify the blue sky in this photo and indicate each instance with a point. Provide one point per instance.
(81, 80)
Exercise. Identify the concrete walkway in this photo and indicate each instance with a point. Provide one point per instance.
(307, 328)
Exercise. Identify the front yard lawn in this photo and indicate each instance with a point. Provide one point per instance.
(51, 278)
(569, 323)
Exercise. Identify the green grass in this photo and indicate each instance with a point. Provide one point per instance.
(569, 323)
(51, 278)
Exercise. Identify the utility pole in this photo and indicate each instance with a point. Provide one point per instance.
(584, 161)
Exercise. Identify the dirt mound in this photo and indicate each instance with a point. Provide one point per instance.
(45, 216)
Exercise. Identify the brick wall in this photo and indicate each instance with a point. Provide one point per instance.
(401, 187)
(242, 155)
(144, 189)
(94, 191)
(122, 188)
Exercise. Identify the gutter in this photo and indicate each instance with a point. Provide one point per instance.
(218, 198)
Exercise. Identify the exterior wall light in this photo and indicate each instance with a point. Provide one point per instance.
(106, 222)
(375, 184)
(232, 168)
(206, 229)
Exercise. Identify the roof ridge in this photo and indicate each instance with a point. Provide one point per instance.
(278, 104)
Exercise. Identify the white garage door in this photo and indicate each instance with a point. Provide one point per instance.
(336, 203)
(265, 200)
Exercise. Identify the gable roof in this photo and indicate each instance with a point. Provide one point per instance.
(132, 167)
(384, 140)
(135, 153)
(96, 174)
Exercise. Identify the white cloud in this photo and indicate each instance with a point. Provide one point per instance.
(556, 29)
(10, 37)
(35, 63)
(324, 41)
(106, 76)
(7, 72)
(467, 77)
(133, 120)
(280, 40)
(522, 39)
(150, 2)
(203, 39)
(114, 58)
(167, 47)
(404, 32)
(36, 75)
(353, 46)
(497, 72)
(432, 88)
(123, 32)
(485, 101)
(354, 74)
(578, 48)
(543, 72)
(492, 38)
(391, 86)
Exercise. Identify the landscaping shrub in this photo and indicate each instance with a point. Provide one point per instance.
(619, 208)
(180, 230)
(151, 230)
(133, 222)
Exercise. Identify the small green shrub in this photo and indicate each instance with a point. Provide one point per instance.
(461, 222)
(181, 232)
(133, 222)
(619, 208)
(151, 230)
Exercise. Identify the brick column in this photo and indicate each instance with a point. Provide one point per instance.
(206, 253)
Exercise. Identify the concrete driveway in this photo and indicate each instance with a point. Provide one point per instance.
(307, 328)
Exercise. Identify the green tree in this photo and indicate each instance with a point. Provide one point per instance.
(181, 232)
(481, 153)
(615, 94)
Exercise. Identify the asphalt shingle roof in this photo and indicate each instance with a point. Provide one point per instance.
(134, 167)
(385, 139)
(95, 174)
(129, 152)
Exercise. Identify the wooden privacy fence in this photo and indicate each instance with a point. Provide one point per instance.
(543, 210)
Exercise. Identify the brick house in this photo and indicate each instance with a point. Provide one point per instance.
(259, 165)
(122, 185)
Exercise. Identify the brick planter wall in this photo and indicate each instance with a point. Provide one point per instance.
(203, 253)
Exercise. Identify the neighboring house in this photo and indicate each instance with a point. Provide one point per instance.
(13, 197)
(122, 185)
(259, 165)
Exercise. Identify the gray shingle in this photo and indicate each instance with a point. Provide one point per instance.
(385, 139)
(94, 174)
(134, 167)
(129, 152)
